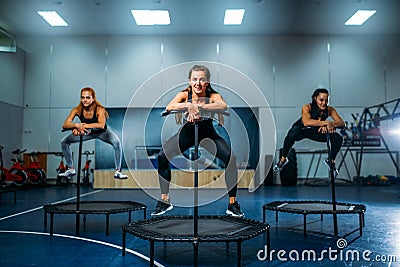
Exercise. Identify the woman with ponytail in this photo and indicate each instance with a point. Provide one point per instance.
(198, 103)
(314, 125)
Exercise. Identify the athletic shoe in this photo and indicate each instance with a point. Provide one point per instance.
(161, 208)
(120, 175)
(331, 165)
(234, 210)
(282, 163)
(68, 173)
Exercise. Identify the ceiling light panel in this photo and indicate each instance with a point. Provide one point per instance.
(151, 17)
(233, 16)
(53, 18)
(360, 17)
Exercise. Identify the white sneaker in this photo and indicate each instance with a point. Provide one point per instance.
(68, 173)
(120, 175)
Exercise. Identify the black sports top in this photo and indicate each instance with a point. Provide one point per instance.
(316, 114)
(94, 119)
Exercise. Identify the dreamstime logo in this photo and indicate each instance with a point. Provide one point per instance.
(332, 254)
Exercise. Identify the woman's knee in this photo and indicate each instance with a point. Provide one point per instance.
(162, 160)
(337, 138)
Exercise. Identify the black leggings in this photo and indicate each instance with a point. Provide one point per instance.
(297, 133)
(183, 140)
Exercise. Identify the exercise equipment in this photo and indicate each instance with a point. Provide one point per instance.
(195, 229)
(319, 207)
(12, 176)
(370, 119)
(3, 187)
(89, 207)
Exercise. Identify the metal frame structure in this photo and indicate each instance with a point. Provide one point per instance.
(373, 115)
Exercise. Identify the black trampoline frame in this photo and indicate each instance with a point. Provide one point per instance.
(277, 207)
(360, 209)
(253, 228)
(60, 209)
(56, 208)
(137, 228)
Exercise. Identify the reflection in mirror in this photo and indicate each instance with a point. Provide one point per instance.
(7, 42)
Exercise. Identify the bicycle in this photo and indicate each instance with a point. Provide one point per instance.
(10, 176)
(61, 169)
(35, 176)
(34, 167)
(86, 169)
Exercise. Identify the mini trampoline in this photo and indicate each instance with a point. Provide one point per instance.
(195, 228)
(89, 207)
(315, 207)
(211, 228)
(306, 207)
(92, 207)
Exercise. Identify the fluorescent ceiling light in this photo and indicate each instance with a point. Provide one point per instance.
(233, 16)
(151, 17)
(53, 18)
(360, 17)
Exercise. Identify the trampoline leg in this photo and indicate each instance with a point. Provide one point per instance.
(151, 253)
(130, 217)
(196, 253)
(361, 223)
(305, 225)
(123, 243)
(51, 223)
(144, 213)
(276, 216)
(107, 224)
(335, 225)
(268, 242)
(77, 223)
(45, 220)
(239, 253)
(264, 216)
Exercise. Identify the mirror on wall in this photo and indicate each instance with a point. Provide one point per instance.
(7, 42)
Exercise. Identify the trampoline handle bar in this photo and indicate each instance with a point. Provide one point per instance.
(168, 112)
(91, 129)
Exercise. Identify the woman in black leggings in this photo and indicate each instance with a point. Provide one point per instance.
(197, 101)
(313, 125)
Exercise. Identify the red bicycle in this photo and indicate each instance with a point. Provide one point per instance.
(35, 175)
(86, 169)
(12, 176)
(61, 169)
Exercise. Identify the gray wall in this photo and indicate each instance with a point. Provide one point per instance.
(11, 100)
(360, 71)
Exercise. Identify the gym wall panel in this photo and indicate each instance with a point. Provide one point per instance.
(131, 60)
(254, 57)
(36, 134)
(77, 62)
(357, 66)
(12, 77)
(38, 60)
(392, 68)
(11, 133)
(301, 66)
(180, 49)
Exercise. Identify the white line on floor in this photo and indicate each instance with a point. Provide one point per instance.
(38, 208)
(88, 240)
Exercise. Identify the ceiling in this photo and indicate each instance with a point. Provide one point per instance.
(200, 17)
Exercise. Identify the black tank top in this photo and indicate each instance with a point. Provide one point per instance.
(94, 119)
(207, 100)
(316, 114)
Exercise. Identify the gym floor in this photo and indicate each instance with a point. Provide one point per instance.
(25, 242)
